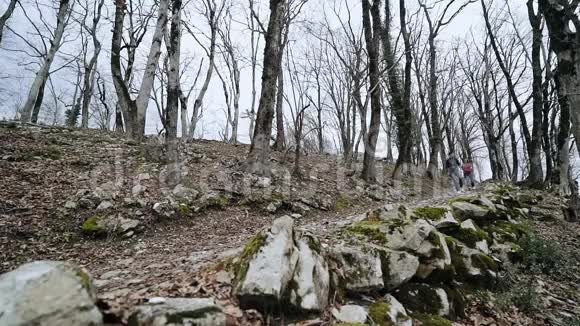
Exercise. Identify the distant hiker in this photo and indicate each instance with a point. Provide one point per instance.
(468, 175)
(453, 170)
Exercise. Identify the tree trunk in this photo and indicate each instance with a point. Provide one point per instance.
(173, 89)
(280, 142)
(42, 74)
(7, 14)
(536, 176)
(183, 115)
(38, 102)
(258, 160)
(400, 98)
(372, 33)
(559, 14)
(134, 111)
(91, 67)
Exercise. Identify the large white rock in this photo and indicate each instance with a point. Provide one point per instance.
(350, 314)
(47, 293)
(411, 236)
(401, 267)
(271, 268)
(178, 311)
(311, 279)
(360, 269)
(465, 210)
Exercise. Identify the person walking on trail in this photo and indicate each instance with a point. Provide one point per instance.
(453, 170)
(468, 175)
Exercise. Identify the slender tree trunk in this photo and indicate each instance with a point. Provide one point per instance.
(197, 105)
(565, 42)
(42, 74)
(7, 14)
(91, 67)
(183, 114)
(372, 33)
(259, 156)
(536, 176)
(172, 108)
(280, 141)
(38, 102)
(134, 111)
(400, 97)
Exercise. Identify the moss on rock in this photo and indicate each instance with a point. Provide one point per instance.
(468, 236)
(250, 250)
(93, 226)
(430, 213)
(379, 313)
(431, 320)
(370, 230)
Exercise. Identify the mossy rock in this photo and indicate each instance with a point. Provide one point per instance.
(504, 231)
(431, 320)
(250, 250)
(93, 225)
(342, 203)
(369, 230)
(468, 236)
(421, 298)
(430, 213)
(379, 313)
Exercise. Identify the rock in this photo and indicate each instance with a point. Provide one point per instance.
(70, 205)
(144, 176)
(138, 190)
(296, 216)
(267, 265)
(464, 210)
(472, 265)
(262, 182)
(398, 268)
(111, 274)
(300, 208)
(446, 222)
(182, 192)
(48, 293)
(360, 269)
(389, 311)
(223, 277)
(178, 311)
(376, 192)
(311, 282)
(273, 207)
(410, 237)
(424, 298)
(113, 224)
(104, 205)
(350, 314)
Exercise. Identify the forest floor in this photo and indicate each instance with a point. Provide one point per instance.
(42, 170)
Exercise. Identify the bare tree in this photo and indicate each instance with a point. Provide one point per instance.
(231, 60)
(6, 15)
(435, 26)
(90, 65)
(212, 12)
(534, 139)
(373, 32)
(259, 155)
(400, 87)
(173, 54)
(62, 18)
(135, 110)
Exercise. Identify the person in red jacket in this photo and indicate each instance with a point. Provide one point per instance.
(468, 175)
